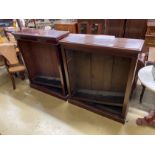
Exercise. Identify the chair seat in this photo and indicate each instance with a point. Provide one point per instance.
(18, 68)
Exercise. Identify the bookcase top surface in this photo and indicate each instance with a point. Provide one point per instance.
(52, 34)
(104, 41)
(151, 23)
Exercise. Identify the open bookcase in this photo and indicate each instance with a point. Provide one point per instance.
(43, 59)
(99, 73)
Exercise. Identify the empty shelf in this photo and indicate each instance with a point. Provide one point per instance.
(100, 97)
(47, 81)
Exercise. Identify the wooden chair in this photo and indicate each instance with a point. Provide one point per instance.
(12, 63)
(10, 37)
(8, 33)
(142, 58)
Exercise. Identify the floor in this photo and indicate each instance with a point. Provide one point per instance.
(28, 111)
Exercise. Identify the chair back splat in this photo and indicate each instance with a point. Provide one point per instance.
(8, 51)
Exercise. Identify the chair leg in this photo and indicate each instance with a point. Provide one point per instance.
(16, 75)
(22, 75)
(13, 81)
(142, 93)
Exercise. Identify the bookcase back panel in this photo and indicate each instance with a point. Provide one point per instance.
(120, 73)
(41, 58)
(102, 66)
(99, 71)
(93, 71)
(83, 70)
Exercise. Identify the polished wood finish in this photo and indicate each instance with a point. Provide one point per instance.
(66, 26)
(42, 56)
(99, 72)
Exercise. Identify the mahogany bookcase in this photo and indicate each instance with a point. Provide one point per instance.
(43, 59)
(99, 72)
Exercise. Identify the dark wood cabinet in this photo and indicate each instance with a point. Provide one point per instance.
(91, 26)
(135, 28)
(43, 59)
(99, 72)
(83, 27)
(115, 27)
(123, 28)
